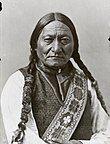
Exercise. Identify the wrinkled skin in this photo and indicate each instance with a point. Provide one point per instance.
(55, 45)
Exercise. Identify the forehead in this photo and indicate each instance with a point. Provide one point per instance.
(56, 27)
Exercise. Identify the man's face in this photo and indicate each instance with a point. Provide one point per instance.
(55, 45)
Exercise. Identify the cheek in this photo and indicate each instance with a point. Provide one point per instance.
(41, 51)
(42, 47)
(69, 50)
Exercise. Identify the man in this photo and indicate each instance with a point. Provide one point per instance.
(60, 104)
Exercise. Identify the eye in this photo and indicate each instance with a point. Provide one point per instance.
(65, 40)
(48, 40)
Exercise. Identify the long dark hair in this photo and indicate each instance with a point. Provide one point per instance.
(30, 78)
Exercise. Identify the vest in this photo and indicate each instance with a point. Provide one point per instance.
(45, 105)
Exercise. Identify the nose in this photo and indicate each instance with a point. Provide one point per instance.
(56, 47)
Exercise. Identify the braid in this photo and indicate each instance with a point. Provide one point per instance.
(99, 95)
(81, 65)
(27, 97)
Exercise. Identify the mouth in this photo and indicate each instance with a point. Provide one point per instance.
(55, 57)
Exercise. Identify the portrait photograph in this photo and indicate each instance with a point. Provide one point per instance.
(55, 72)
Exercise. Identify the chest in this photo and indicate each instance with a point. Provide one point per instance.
(46, 104)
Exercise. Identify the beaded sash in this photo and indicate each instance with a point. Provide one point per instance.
(67, 118)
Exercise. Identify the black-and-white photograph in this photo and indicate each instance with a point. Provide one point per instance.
(55, 72)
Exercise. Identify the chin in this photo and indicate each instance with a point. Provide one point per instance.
(56, 65)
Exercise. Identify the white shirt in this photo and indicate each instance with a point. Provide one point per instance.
(11, 104)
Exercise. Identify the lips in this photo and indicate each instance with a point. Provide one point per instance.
(55, 57)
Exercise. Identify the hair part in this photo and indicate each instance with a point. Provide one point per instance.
(45, 20)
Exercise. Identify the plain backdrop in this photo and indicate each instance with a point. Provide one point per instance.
(92, 21)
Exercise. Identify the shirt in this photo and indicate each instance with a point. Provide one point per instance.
(11, 104)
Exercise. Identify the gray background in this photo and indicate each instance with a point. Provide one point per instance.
(92, 20)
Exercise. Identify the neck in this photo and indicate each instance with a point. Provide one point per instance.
(48, 69)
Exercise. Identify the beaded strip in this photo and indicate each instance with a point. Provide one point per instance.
(68, 116)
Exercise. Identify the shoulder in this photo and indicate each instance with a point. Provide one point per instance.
(24, 70)
(11, 96)
(18, 75)
(15, 81)
(17, 78)
(77, 70)
(80, 74)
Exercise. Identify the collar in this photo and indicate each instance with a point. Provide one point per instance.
(63, 74)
